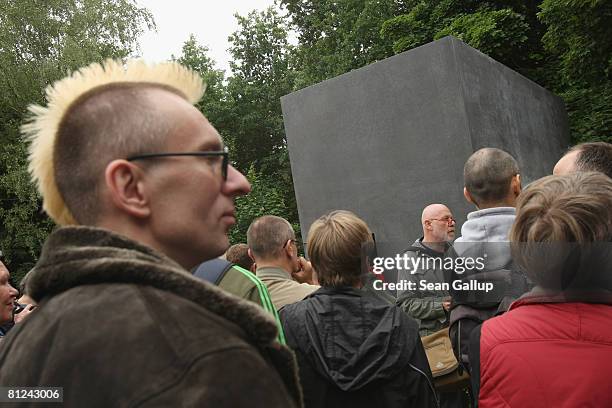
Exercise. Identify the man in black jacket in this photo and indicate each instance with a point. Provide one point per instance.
(354, 349)
(121, 152)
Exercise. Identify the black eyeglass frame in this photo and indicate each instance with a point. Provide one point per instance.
(224, 153)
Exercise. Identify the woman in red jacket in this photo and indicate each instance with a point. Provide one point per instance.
(553, 348)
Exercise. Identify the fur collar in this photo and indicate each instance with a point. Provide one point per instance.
(74, 256)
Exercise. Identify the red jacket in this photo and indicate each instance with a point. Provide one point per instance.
(547, 355)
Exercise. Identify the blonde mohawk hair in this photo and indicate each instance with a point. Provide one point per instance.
(43, 126)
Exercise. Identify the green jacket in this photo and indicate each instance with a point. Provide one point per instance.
(423, 305)
(244, 284)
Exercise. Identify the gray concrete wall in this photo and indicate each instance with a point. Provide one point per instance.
(508, 111)
(387, 139)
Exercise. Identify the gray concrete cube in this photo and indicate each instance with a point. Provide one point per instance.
(389, 138)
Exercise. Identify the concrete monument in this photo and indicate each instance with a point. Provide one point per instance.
(387, 139)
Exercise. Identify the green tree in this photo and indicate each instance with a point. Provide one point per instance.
(507, 31)
(246, 110)
(39, 42)
(24, 226)
(195, 56)
(565, 47)
(266, 198)
(261, 75)
(579, 33)
(338, 36)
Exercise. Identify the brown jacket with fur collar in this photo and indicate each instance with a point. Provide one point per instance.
(120, 325)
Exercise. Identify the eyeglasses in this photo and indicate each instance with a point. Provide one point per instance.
(288, 242)
(448, 220)
(224, 153)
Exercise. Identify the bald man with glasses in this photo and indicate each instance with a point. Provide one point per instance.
(429, 308)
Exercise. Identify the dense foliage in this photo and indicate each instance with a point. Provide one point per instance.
(39, 42)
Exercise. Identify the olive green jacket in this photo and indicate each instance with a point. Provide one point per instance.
(425, 306)
(244, 284)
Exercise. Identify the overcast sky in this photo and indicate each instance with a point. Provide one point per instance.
(212, 21)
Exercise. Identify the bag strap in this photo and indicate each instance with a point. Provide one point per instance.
(475, 362)
(213, 271)
(265, 299)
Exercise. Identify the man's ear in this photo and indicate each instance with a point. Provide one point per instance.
(288, 249)
(468, 196)
(516, 185)
(250, 254)
(125, 184)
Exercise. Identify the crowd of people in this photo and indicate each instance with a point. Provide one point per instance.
(131, 302)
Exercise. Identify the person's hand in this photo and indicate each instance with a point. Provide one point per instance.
(305, 273)
(19, 317)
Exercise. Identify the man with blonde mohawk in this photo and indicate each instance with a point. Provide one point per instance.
(141, 185)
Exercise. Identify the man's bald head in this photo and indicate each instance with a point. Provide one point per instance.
(567, 164)
(594, 156)
(491, 176)
(438, 224)
(107, 123)
(433, 211)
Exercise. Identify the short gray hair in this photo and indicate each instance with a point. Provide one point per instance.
(488, 173)
(267, 235)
